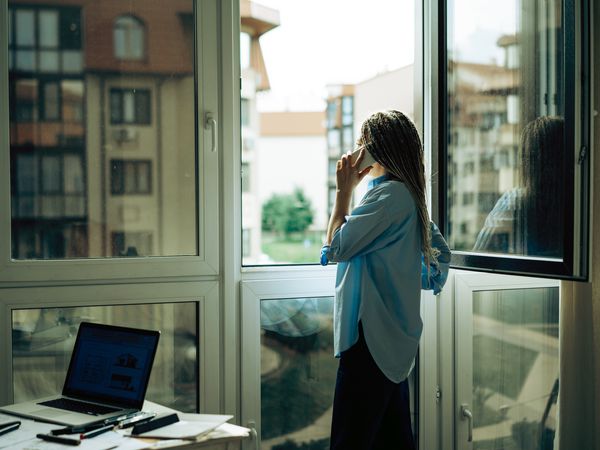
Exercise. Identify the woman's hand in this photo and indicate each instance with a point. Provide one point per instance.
(347, 175)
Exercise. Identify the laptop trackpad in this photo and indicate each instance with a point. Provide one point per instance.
(46, 412)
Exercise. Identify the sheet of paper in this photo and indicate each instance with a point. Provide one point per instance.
(189, 426)
(105, 441)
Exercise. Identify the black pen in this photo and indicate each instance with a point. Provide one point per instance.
(9, 426)
(58, 439)
(96, 432)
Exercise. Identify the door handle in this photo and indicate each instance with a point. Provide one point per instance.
(466, 413)
(211, 123)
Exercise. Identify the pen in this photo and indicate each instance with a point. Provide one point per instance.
(140, 419)
(9, 426)
(58, 439)
(96, 432)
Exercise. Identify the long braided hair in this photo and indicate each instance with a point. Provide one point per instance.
(393, 141)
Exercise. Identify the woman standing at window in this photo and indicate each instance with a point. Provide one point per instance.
(381, 248)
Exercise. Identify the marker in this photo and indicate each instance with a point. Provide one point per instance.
(138, 420)
(96, 432)
(58, 439)
(9, 426)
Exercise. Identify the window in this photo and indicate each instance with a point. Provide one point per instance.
(131, 177)
(45, 40)
(64, 230)
(130, 106)
(43, 339)
(319, 114)
(509, 104)
(129, 38)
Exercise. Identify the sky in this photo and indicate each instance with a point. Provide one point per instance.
(323, 42)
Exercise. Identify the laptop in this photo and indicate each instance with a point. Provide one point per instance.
(108, 376)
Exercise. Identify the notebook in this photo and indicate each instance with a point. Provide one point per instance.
(107, 377)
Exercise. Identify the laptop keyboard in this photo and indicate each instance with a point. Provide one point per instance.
(81, 407)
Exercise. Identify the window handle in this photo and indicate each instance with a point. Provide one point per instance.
(466, 413)
(253, 433)
(211, 123)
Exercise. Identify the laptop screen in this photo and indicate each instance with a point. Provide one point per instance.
(111, 364)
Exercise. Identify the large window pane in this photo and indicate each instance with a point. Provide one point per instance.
(306, 95)
(298, 373)
(75, 108)
(42, 341)
(509, 166)
(515, 368)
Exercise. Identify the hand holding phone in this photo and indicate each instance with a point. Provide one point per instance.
(367, 160)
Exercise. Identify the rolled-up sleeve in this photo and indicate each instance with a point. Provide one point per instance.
(435, 278)
(364, 230)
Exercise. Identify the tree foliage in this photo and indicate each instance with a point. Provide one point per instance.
(287, 213)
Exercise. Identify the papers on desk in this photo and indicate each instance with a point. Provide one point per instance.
(24, 438)
(190, 426)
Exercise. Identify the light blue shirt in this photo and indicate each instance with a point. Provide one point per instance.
(379, 277)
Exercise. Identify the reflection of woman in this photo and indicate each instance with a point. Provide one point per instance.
(528, 220)
(377, 323)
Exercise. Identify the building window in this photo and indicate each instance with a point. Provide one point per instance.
(131, 177)
(129, 38)
(45, 39)
(130, 106)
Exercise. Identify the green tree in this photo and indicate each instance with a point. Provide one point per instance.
(287, 213)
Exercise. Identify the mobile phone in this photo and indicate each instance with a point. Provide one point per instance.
(367, 161)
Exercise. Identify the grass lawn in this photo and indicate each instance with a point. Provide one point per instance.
(293, 249)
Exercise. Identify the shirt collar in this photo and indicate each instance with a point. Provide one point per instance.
(375, 181)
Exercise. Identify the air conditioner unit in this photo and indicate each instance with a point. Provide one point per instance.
(122, 135)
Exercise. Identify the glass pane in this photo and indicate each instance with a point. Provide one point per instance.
(73, 180)
(42, 341)
(515, 368)
(26, 60)
(298, 372)
(72, 61)
(25, 28)
(48, 61)
(507, 159)
(51, 101)
(48, 28)
(304, 112)
(128, 107)
(27, 176)
(59, 110)
(72, 101)
(51, 174)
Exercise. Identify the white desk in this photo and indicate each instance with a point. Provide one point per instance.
(224, 437)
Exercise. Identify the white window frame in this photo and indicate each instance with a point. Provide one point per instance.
(205, 294)
(110, 281)
(457, 339)
(207, 262)
(320, 282)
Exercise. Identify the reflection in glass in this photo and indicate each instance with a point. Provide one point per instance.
(42, 341)
(75, 107)
(515, 368)
(506, 153)
(298, 373)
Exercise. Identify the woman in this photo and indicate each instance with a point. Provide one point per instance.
(380, 248)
